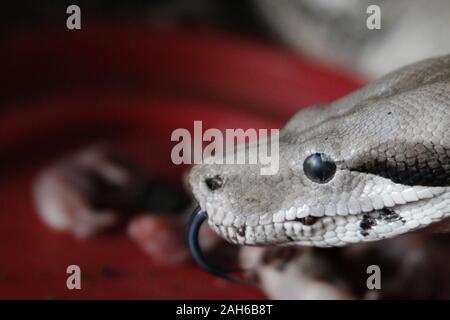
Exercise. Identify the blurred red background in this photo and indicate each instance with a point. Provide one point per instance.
(131, 85)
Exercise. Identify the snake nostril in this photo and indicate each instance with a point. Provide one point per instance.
(214, 183)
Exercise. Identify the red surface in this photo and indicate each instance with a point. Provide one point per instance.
(131, 86)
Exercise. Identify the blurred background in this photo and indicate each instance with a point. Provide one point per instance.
(86, 118)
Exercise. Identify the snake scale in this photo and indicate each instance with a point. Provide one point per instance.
(373, 165)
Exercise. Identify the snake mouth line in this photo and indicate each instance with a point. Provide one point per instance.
(338, 230)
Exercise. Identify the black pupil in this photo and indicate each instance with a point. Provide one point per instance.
(319, 168)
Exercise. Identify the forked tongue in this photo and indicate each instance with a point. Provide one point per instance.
(198, 217)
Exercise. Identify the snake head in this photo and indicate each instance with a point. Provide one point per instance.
(373, 165)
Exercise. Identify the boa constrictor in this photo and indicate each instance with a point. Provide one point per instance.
(370, 166)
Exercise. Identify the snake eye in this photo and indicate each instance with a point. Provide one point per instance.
(319, 168)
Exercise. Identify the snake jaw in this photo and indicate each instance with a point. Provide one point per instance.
(339, 229)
